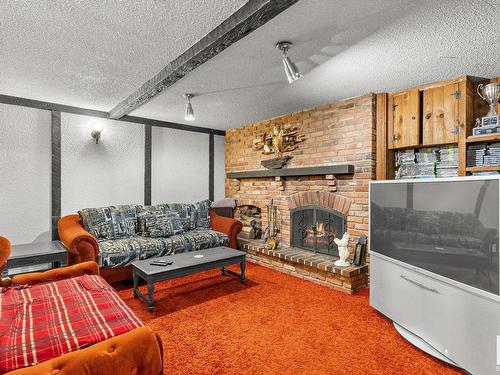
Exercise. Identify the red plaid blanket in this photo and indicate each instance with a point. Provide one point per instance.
(44, 321)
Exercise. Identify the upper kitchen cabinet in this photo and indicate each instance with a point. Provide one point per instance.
(403, 119)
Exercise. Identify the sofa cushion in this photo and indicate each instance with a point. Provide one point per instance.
(110, 222)
(197, 239)
(186, 212)
(202, 212)
(157, 223)
(122, 252)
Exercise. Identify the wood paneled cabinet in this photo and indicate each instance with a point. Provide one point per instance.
(404, 123)
(441, 114)
(435, 114)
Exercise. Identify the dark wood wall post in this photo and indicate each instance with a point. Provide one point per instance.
(211, 157)
(55, 131)
(147, 164)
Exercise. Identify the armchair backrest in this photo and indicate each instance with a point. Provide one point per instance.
(4, 252)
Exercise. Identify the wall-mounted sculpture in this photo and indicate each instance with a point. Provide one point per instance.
(280, 140)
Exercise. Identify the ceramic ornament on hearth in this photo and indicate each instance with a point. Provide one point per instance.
(343, 246)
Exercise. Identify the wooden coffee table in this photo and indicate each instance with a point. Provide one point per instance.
(185, 264)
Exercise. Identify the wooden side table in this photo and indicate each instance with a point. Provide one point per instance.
(38, 253)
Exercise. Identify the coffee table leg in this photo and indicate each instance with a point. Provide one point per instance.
(151, 289)
(242, 268)
(135, 277)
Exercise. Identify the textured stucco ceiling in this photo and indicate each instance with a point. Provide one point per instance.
(93, 54)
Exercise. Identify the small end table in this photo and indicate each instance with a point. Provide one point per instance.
(37, 253)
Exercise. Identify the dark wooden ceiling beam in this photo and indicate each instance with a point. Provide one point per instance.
(248, 18)
(24, 102)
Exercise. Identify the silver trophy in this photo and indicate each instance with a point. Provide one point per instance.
(491, 94)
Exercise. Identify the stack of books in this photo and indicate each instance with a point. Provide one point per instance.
(405, 164)
(426, 162)
(492, 156)
(447, 165)
(475, 155)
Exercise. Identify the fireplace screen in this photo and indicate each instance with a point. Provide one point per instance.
(315, 227)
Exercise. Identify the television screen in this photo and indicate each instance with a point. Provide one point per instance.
(449, 227)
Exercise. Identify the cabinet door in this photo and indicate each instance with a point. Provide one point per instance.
(404, 129)
(441, 115)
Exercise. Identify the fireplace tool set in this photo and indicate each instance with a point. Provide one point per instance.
(271, 232)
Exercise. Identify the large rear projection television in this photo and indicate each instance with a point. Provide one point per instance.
(435, 266)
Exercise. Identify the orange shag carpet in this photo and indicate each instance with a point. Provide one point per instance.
(275, 324)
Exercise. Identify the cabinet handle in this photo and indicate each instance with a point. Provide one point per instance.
(413, 117)
(421, 286)
(441, 115)
(395, 137)
(428, 116)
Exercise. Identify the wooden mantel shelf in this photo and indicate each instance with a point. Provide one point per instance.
(341, 169)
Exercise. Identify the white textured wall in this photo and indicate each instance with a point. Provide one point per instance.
(25, 174)
(179, 166)
(94, 175)
(219, 166)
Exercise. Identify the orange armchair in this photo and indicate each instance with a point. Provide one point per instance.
(4, 255)
(85, 268)
(138, 351)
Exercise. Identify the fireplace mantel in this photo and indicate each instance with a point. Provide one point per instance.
(339, 169)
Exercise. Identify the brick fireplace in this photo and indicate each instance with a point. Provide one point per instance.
(336, 134)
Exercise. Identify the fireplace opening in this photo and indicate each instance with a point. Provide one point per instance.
(251, 218)
(315, 227)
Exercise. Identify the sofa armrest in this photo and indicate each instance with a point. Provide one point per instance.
(85, 268)
(228, 226)
(81, 245)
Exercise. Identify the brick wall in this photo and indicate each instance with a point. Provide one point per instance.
(338, 133)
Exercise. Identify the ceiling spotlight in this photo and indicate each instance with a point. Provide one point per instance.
(292, 72)
(189, 114)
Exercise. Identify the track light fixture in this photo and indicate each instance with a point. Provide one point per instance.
(292, 72)
(189, 114)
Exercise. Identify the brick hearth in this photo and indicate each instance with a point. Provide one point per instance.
(304, 264)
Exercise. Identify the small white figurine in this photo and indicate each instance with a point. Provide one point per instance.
(342, 245)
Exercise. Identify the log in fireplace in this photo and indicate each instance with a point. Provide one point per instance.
(315, 227)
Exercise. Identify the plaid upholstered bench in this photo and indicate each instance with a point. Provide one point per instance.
(71, 321)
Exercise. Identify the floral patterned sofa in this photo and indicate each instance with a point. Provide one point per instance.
(115, 236)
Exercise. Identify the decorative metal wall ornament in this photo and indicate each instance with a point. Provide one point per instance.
(281, 139)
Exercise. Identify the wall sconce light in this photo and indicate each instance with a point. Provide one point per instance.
(97, 128)
(189, 114)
